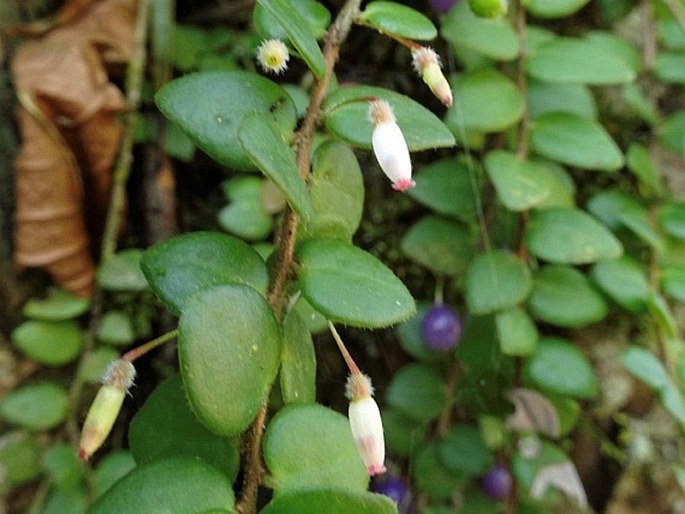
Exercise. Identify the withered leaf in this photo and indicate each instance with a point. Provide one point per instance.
(70, 134)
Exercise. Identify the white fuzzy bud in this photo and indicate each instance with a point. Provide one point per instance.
(389, 146)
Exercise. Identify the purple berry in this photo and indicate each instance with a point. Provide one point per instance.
(442, 6)
(497, 483)
(394, 488)
(441, 328)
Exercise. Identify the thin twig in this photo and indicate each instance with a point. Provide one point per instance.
(134, 82)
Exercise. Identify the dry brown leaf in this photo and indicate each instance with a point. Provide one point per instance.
(70, 135)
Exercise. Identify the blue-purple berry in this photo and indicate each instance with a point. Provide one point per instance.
(442, 6)
(497, 483)
(394, 488)
(441, 328)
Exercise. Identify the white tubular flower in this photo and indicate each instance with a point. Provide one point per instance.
(390, 146)
(102, 414)
(427, 64)
(365, 423)
(273, 56)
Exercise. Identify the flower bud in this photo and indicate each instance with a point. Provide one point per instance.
(106, 406)
(489, 8)
(365, 423)
(389, 146)
(427, 64)
(273, 56)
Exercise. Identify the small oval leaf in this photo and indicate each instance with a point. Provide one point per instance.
(564, 297)
(229, 348)
(330, 501)
(520, 184)
(399, 20)
(53, 343)
(441, 245)
(417, 391)
(181, 266)
(182, 485)
(36, 406)
(496, 280)
(351, 286)
(210, 106)
(165, 427)
(559, 367)
(566, 235)
(311, 447)
(575, 141)
(298, 361)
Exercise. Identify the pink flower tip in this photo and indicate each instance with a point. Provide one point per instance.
(403, 184)
(376, 469)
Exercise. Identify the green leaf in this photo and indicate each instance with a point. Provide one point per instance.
(299, 32)
(20, 455)
(336, 188)
(570, 236)
(585, 61)
(165, 427)
(311, 447)
(441, 245)
(330, 501)
(516, 332)
(59, 501)
(559, 367)
(210, 107)
(562, 296)
(673, 133)
(110, 469)
(672, 219)
(417, 391)
(496, 280)
(298, 361)
(463, 451)
(121, 272)
(402, 434)
(494, 38)
(575, 141)
(36, 406)
(229, 348)
(520, 184)
(640, 164)
(188, 263)
(448, 187)
(609, 205)
(484, 101)
(351, 286)
(431, 475)
(544, 97)
(624, 281)
(525, 469)
(670, 67)
(562, 188)
(634, 96)
(94, 364)
(116, 328)
(53, 343)
(346, 117)
(57, 306)
(263, 143)
(179, 485)
(647, 368)
(246, 219)
(63, 466)
(553, 8)
(673, 282)
(268, 26)
(399, 20)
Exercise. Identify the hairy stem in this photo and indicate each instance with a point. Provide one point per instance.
(337, 33)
